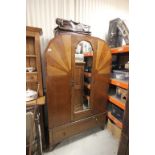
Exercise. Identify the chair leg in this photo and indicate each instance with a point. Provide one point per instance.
(38, 132)
(30, 140)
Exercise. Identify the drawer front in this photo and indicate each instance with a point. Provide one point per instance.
(31, 77)
(65, 131)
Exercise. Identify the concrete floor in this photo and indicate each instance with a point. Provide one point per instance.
(94, 142)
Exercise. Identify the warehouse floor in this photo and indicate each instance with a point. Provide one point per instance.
(94, 142)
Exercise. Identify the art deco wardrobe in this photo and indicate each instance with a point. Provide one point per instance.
(76, 90)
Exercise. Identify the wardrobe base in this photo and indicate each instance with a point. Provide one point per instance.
(60, 133)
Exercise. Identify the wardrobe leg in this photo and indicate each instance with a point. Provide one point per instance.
(102, 126)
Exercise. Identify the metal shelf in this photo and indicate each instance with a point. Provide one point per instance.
(120, 83)
(123, 49)
(115, 120)
(117, 102)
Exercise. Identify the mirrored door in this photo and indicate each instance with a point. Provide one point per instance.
(83, 76)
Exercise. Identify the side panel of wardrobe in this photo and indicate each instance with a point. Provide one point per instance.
(101, 77)
(58, 68)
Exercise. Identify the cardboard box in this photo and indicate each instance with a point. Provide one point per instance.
(115, 131)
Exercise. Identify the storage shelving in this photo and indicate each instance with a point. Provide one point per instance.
(117, 102)
(115, 120)
(120, 83)
(88, 58)
(123, 49)
(123, 55)
(33, 59)
(34, 77)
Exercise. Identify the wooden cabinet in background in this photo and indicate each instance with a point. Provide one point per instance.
(76, 103)
(33, 59)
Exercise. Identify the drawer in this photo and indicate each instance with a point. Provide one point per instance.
(65, 131)
(31, 77)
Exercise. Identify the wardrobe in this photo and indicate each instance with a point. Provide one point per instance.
(78, 69)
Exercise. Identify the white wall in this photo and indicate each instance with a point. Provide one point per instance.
(96, 13)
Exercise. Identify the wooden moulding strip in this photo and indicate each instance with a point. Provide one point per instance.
(81, 111)
(117, 102)
(123, 49)
(34, 29)
(119, 83)
(87, 74)
(115, 120)
(40, 101)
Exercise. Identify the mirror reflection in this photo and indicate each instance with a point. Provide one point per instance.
(82, 76)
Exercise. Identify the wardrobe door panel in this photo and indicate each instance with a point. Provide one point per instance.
(78, 87)
(58, 79)
(81, 99)
(101, 77)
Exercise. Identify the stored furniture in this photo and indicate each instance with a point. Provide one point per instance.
(34, 78)
(33, 132)
(33, 59)
(75, 102)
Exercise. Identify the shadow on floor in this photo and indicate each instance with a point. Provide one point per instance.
(78, 137)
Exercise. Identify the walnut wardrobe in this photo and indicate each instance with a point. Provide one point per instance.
(77, 82)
